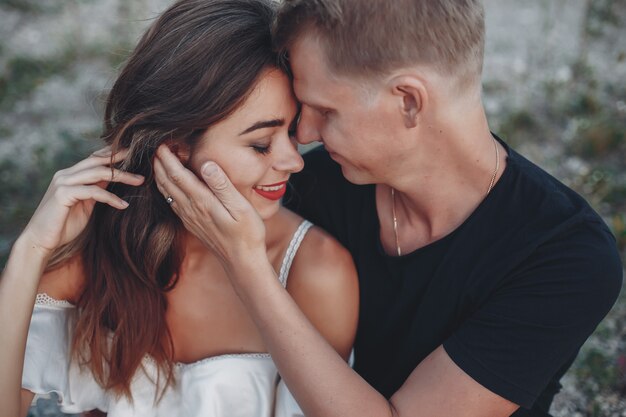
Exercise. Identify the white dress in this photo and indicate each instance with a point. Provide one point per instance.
(231, 385)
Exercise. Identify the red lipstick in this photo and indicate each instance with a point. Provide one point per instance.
(276, 192)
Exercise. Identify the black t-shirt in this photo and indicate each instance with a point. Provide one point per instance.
(511, 294)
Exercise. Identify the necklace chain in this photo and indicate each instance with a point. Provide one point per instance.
(393, 197)
(395, 220)
(495, 171)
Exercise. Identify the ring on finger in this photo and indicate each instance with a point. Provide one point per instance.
(169, 200)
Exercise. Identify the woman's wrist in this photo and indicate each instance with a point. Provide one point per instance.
(25, 247)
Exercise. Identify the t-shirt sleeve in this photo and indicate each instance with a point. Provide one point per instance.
(536, 321)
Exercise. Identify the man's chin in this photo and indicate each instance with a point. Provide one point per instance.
(355, 176)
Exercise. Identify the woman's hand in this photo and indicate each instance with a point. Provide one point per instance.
(218, 214)
(65, 208)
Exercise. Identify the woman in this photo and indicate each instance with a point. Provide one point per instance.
(132, 314)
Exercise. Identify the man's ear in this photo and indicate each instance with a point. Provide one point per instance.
(413, 95)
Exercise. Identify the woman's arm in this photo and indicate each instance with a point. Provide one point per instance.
(17, 297)
(60, 217)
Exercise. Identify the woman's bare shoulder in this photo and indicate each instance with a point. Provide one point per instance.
(64, 282)
(323, 281)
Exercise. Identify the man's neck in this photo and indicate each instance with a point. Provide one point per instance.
(439, 186)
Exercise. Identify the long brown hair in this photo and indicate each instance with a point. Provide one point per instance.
(192, 68)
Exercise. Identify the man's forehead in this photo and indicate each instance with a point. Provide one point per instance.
(307, 53)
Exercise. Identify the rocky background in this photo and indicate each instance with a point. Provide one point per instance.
(554, 88)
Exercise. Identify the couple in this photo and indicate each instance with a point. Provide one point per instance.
(163, 268)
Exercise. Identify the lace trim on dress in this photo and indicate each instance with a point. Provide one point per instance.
(182, 365)
(296, 240)
(44, 299)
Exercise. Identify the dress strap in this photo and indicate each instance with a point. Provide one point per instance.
(292, 249)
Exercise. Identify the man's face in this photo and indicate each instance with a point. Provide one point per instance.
(355, 122)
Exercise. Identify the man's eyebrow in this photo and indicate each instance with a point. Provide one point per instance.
(318, 107)
(264, 124)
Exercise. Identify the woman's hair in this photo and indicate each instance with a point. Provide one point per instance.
(193, 67)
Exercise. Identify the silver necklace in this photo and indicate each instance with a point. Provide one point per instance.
(393, 197)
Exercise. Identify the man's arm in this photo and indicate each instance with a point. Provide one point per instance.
(325, 386)
(322, 383)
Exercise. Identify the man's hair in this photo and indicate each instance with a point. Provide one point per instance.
(372, 37)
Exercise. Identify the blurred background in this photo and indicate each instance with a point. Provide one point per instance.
(554, 88)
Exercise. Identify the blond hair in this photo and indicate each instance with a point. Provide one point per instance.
(373, 37)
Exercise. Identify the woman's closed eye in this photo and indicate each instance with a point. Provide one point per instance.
(262, 149)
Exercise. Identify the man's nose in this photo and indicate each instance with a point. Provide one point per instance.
(307, 130)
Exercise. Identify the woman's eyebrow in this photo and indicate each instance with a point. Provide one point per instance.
(263, 124)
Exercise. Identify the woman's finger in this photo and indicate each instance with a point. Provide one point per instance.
(99, 174)
(222, 195)
(104, 152)
(219, 183)
(196, 215)
(175, 178)
(99, 158)
(167, 189)
(176, 173)
(90, 192)
(192, 198)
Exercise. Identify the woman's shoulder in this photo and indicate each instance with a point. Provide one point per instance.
(318, 253)
(321, 252)
(64, 282)
(323, 282)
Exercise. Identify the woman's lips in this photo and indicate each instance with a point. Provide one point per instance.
(272, 191)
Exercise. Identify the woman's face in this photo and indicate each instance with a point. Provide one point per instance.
(255, 146)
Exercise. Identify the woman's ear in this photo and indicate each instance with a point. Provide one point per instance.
(181, 150)
(413, 94)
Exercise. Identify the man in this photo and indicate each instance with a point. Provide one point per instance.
(481, 276)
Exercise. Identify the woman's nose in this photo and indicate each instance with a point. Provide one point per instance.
(288, 158)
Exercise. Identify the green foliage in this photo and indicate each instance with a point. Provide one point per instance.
(24, 6)
(25, 74)
(618, 224)
(31, 6)
(599, 136)
(117, 57)
(602, 13)
(5, 131)
(519, 126)
(597, 364)
(596, 372)
(27, 185)
(521, 120)
(600, 368)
